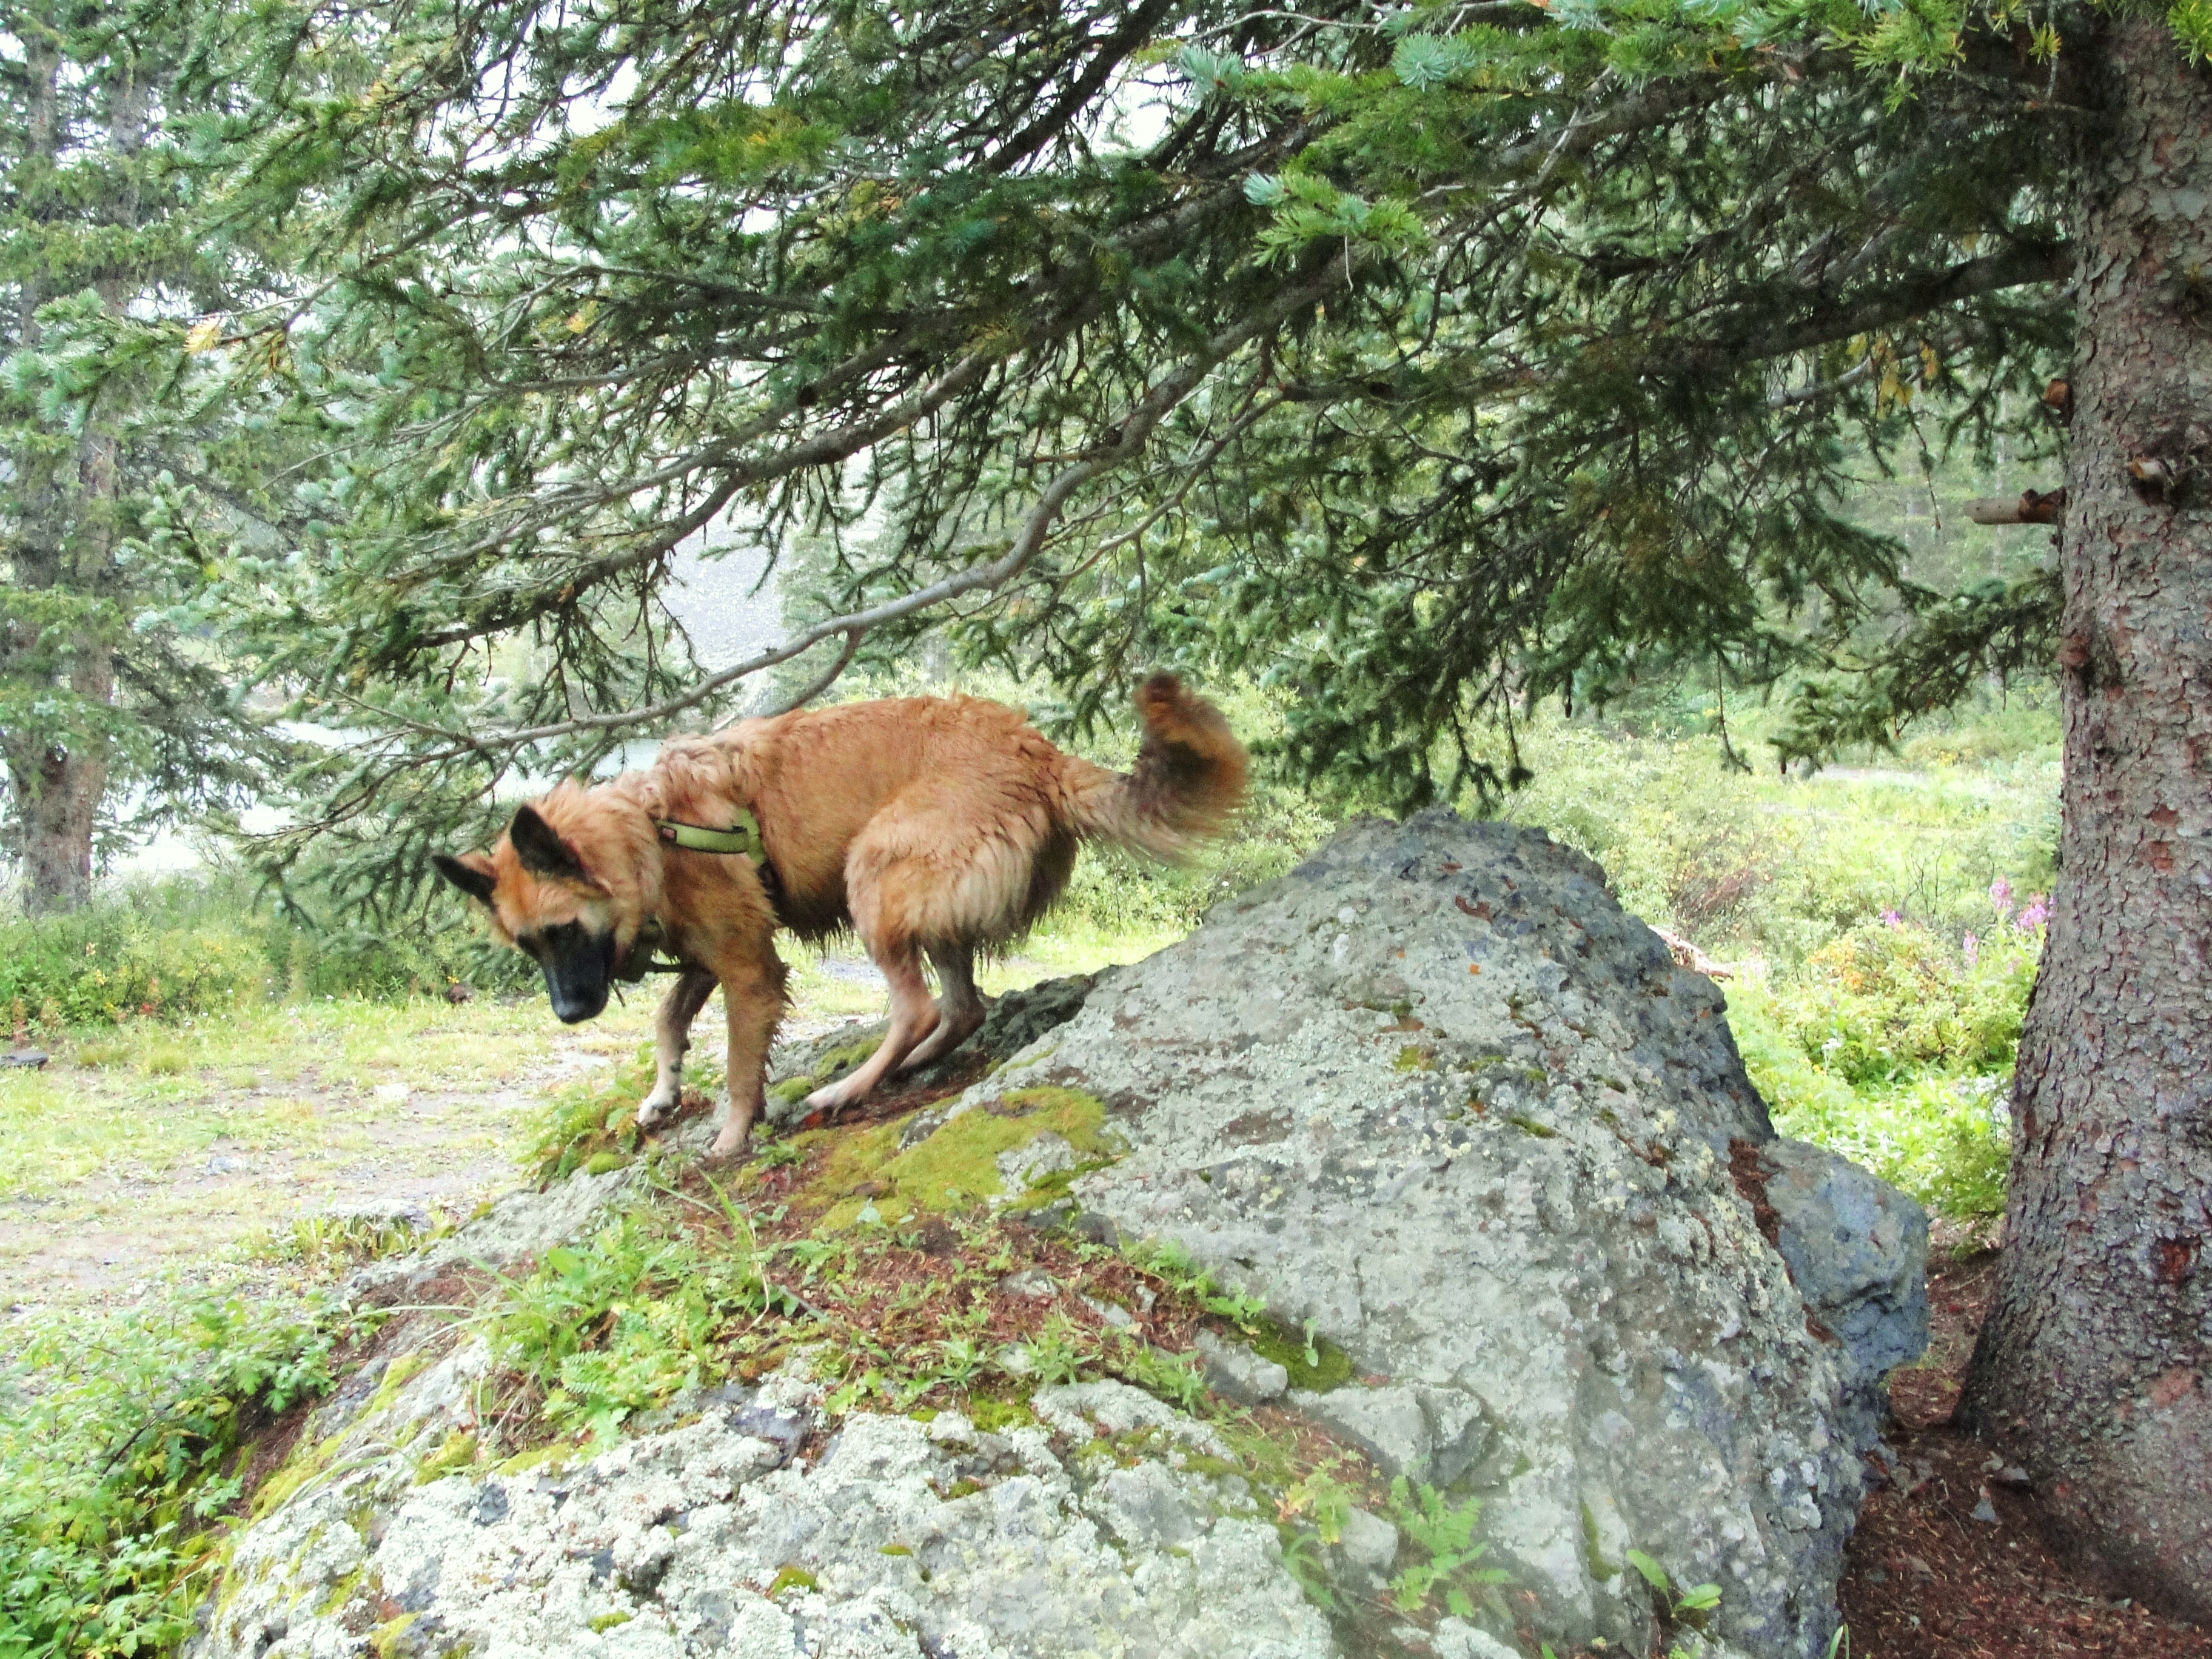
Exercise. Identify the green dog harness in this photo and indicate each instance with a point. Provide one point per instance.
(743, 836)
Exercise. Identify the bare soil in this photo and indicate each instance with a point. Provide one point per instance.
(1925, 1579)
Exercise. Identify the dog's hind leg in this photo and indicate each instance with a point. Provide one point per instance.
(671, 1036)
(959, 1004)
(912, 1016)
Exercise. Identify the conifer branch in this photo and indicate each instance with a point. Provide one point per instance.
(1127, 438)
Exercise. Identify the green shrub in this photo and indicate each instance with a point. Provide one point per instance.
(1895, 1049)
(115, 1431)
(1887, 1001)
(194, 944)
(121, 958)
(1944, 1138)
(320, 949)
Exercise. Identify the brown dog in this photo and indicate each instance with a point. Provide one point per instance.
(931, 826)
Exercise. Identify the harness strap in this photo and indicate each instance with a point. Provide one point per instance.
(743, 836)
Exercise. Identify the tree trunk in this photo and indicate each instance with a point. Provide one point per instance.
(57, 804)
(2091, 1369)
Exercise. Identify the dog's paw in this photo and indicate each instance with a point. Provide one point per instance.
(833, 1097)
(727, 1150)
(654, 1112)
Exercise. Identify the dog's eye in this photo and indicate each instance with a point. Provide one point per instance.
(561, 937)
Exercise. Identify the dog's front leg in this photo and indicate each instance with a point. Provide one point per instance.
(752, 997)
(671, 1036)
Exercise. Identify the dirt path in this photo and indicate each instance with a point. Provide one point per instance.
(154, 1151)
(157, 1152)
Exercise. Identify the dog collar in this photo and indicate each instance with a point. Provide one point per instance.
(743, 836)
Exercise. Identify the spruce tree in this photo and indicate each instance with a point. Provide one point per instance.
(124, 461)
(1427, 360)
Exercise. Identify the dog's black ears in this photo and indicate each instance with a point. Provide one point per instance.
(541, 849)
(474, 880)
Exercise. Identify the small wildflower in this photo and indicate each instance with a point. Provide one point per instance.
(2034, 913)
(1971, 948)
(2000, 897)
(1891, 919)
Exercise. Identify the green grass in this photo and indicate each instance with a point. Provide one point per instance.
(159, 1145)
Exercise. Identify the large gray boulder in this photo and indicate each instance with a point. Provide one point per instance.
(1433, 1097)
(1103, 1531)
(1436, 1096)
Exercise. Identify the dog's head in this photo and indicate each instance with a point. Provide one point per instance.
(565, 900)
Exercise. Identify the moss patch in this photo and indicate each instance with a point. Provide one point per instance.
(309, 1459)
(341, 1593)
(458, 1452)
(306, 1462)
(992, 1415)
(554, 1455)
(792, 1577)
(956, 1168)
(1330, 1367)
(1601, 1569)
(836, 1061)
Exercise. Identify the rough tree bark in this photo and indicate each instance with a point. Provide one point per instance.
(2091, 1370)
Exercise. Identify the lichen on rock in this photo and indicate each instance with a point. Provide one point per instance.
(899, 1539)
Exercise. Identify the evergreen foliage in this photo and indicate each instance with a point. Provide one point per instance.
(127, 458)
(1423, 361)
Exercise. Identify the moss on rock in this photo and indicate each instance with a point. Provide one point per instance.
(1329, 1368)
(957, 1167)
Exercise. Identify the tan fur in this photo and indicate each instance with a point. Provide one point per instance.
(930, 825)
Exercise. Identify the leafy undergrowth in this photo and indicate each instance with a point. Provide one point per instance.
(590, 1124)
(123, 1438)
(1895, 1048)
(970, 1311)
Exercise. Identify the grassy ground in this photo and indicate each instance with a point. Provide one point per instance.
(151, 1147)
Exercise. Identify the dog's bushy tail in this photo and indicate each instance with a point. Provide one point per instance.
(1190, 778)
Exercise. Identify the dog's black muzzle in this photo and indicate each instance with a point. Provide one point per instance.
(579, 967)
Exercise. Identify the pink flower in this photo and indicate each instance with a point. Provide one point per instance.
(2000, 897)
(1891, 919)
(1971, 948)
(2034, 914)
